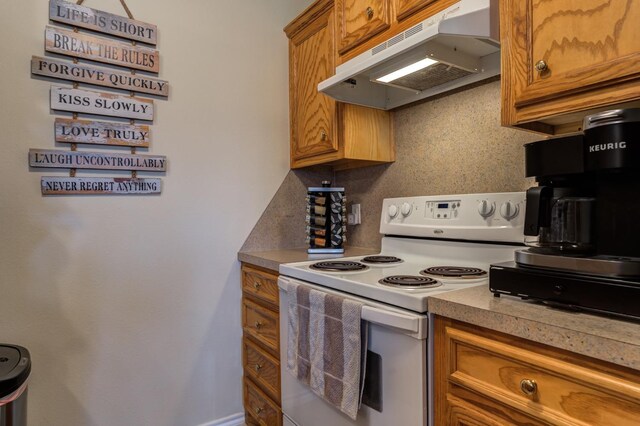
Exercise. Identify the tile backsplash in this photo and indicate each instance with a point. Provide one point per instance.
(449, 145)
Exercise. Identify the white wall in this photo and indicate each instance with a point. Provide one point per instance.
(130, 306)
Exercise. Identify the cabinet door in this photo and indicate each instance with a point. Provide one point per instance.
(259, 407)
(462, 413)
(312, 60)
(556, 49)
(260, 284)
(406, 8)
(359, 20)
(263, 368)
(262, 324)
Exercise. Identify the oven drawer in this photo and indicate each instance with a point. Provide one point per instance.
(263, 368)
(261, 324)
(260, 284)
(542, 386)
(262, 410)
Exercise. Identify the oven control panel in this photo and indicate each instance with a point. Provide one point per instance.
(443, 209)
(478, 217)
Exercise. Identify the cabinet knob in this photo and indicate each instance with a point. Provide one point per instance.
(258, 367)
(541, 66)
(258, 410)
(528, 386)
(323, 136)
(258, 325)
(369, 12)
(257, 285)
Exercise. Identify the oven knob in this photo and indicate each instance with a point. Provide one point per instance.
(405, 209)
(509, 210)
(392, 211)
(486, 208)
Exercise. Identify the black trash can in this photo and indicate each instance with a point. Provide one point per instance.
(15, 366)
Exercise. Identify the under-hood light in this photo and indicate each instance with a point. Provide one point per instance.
(409, 69)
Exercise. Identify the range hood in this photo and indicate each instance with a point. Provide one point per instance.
(454, 48)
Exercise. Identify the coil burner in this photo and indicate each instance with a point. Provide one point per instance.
(454, 272)
(410, 281)
(381, 259)
(338, 266)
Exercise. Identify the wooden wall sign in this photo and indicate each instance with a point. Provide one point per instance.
(122, 52)
(49, 158)
(101, 49)
(102, 133)
(100, 76)
(97, 20)
(90, 185)
(110, 104)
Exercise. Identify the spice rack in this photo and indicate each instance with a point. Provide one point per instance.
(326, 219)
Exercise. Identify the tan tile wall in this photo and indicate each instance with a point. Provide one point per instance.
(449, 145)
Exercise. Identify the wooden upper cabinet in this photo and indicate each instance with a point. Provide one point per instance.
(356, 34)
(359, 20)
(324, 131)
(312, 60)
(564, 58)
(406, 8)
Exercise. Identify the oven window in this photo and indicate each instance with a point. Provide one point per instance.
(372, 392)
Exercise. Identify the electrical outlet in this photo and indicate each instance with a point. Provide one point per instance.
(355, 217)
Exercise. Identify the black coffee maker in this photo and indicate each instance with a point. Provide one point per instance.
(582, 221)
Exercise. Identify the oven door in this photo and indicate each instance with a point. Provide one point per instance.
(396, 375)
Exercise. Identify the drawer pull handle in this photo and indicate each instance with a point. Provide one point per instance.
(258, 325)
(369, 12)
(258, 367)
(323, 136)
(528, 386)
(257, 285)
(541, 66)
(258, 410)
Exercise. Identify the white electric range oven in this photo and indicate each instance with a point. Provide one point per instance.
(430, 245)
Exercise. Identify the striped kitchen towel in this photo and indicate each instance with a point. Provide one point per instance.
(325, 345)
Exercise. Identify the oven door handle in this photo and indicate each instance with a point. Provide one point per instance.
(391, 319)
(383, 317)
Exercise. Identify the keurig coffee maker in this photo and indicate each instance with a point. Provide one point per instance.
(582, 221)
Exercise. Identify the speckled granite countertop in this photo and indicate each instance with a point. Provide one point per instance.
(273, 258)
(599, 337)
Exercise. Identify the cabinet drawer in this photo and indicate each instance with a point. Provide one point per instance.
(263, 368)
(260, 284)
(261, 323)
(258, 405)
(547, 388)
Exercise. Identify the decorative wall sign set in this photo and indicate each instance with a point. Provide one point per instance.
(75, 131)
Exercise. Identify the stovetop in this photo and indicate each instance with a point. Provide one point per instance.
(416, 255)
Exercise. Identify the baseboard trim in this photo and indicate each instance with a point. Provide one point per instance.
(232, 420)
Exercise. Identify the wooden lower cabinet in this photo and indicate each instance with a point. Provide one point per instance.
(488, 378)
(259, 408)
(260, 346)
(262, 368)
